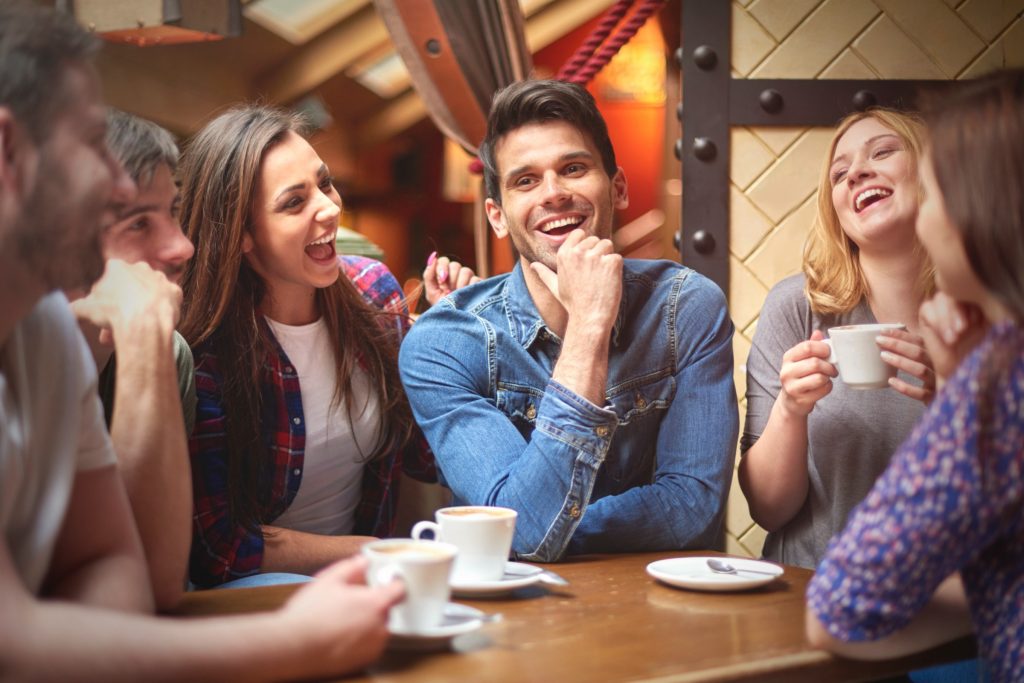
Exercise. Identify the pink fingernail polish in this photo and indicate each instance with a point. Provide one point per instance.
(431, 258)
(443, 276)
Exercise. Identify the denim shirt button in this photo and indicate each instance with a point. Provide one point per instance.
(531, 412)
(602, 431)
(641, 402)
(574, 512)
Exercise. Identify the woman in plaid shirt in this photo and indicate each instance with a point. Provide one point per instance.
(302, 426)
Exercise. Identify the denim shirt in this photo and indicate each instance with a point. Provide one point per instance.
(649, 470)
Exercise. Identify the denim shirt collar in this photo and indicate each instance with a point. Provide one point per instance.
(524, 320)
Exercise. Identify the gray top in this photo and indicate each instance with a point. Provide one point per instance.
(851, 433)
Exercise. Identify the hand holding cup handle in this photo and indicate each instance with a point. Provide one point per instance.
(385, 575)
(832, 358)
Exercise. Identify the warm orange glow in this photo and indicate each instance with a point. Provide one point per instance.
(637, 72)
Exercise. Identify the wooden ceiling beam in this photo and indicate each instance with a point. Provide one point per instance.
(363, 33)
(323, 57)
(153, 84)
(549, 22)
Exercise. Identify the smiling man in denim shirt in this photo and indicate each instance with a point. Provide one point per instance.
(591, 394)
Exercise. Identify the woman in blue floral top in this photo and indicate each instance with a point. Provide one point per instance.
(937, 548)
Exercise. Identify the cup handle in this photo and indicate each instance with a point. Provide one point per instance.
(831, 352)
(420, 527)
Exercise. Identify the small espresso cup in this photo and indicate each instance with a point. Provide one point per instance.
(482, 534)
(858, 357)
(424, 567)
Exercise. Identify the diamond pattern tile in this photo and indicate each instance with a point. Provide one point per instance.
(778, 138)
(748, 225)
(937, 29)
(989, 18)
(792, 178)
(747, 293)
(781, 16)
(750, 157)
(750, 41)
(889, 52)
(737, 514)
(780, 254)
(848, 65)
(816, 41)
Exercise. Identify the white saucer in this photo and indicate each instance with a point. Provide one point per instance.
(694, 573)
(517, 575)
(458, 619)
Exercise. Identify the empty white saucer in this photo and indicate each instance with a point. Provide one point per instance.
(517, 575)
(458, 619)
(693, 573)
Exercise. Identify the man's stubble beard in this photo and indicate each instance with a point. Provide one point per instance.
(59, 243)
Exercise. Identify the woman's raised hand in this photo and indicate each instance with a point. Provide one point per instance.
(442, 276)
(950, 329)
(806, 375)
(906, 351)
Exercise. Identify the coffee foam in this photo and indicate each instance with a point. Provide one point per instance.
(478, 512)
(412, 550)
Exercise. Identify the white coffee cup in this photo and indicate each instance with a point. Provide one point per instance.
(858, 356)
(424, 567)
(482, 534)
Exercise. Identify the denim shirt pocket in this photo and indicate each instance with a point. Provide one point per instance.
(638, 399)
(520, 402)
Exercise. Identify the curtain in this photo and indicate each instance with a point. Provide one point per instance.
(459, 53)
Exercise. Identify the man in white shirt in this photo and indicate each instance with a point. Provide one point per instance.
(67, 530)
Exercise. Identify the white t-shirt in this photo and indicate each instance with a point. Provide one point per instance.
(51, 425)
(336, 448)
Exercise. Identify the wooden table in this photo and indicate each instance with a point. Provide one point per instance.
(614, 623)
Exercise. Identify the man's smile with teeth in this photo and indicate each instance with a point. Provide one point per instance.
(870, 196)
(572, 221)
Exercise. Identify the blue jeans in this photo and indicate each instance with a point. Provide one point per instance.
(268, 579)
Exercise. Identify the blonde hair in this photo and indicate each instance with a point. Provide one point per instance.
(835, 283)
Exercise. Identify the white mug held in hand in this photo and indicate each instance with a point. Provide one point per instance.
(424, 567)
(858, 356)
(483, 536)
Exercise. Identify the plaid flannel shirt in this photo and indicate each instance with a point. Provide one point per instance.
(222, 550)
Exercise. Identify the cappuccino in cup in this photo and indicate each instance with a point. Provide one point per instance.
(424, 567)
(483, 536)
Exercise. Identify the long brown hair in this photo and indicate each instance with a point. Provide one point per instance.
(976, 139)
(220, 173)
(835, 282)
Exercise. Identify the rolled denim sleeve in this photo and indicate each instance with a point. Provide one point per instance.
(696, 443)
(483, 457)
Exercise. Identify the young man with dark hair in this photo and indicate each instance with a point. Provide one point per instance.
(591, 394)
(148, 387)
(71, 567)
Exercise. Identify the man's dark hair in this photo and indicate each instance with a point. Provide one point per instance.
(538, 101)
(140, 145)
(36, 45)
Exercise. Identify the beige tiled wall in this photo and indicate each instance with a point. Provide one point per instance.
(774, 170)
